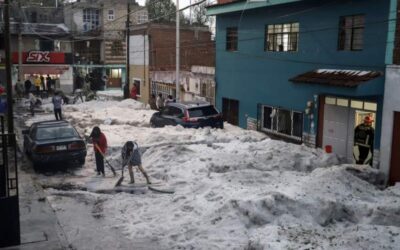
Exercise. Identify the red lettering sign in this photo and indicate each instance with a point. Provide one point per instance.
(38, 56)
(41, 57)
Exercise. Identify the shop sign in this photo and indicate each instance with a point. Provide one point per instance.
(42, 57)
(38, 57)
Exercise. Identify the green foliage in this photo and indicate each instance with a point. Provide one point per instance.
(199, 15)
(161, 10)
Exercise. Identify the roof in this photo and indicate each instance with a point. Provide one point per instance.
(50, 123)
(40, 29)
(336, 77)
(242, 5)
(191, 104)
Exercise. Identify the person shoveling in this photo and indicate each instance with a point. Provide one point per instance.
(131, 157)
(100, 146)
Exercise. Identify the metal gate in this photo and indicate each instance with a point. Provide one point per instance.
(9, 206)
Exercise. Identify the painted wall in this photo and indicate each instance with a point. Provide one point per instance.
(263, 76)
(391, 104)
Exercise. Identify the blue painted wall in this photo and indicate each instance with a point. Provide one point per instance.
(252, 75)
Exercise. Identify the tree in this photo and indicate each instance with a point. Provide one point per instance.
(161, 10)
(199, 14)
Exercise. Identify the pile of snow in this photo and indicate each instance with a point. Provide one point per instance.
(235, 189)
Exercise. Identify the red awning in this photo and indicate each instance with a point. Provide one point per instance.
(44, 69)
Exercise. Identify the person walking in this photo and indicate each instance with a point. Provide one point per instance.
(153, 102)
(32, 103)
(37, 85)
(42, 83)
(160, 101)
(131, 157)
(48, 83)
(169, 100)
(100, 147)
(364, 142)
(28, 86)
(19, 89)
(57, 104)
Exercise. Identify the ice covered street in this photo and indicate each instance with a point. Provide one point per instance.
(234, 189)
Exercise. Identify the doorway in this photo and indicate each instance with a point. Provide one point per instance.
(230, 111)
(394, 175)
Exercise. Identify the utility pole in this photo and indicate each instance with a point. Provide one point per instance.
(177, 52)
(10, 122)
(128, 22)
(20, 75)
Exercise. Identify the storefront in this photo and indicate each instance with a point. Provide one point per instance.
(56, 65)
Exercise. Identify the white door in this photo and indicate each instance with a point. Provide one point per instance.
(336, 129)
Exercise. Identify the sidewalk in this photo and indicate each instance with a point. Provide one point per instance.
(39, 225)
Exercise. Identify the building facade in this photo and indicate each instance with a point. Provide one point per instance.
(311, 71)
(153, 55)
(390, 139)
(40, 44)
(99, 38)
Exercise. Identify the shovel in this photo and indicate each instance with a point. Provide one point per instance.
(109, 165)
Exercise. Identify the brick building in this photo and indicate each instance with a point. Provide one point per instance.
(153, 54)
(99, 31)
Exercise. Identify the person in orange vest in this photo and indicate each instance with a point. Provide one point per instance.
(364, 142)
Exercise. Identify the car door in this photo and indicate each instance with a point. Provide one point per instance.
(28, 139)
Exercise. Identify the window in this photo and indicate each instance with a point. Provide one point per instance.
(117, 48)
(142, 17)
(46, 45)
(172, 111)
(282, 37)
(90, 19)
(232, 39)
(281, 121)
(137, 83)
(355, 104)
(351, 32)
(111, 15)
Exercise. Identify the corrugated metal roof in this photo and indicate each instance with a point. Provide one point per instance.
(336, 77)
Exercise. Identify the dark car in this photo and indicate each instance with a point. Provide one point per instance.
(54, 141)
(189, 115)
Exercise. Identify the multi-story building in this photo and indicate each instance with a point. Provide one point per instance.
(390, 139)
(40, 44)
(99, 37)
(153, 55)
(307, 71)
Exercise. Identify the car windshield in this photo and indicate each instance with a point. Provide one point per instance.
(47, 133)
(202, 111)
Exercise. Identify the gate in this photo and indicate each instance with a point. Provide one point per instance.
(9, 206)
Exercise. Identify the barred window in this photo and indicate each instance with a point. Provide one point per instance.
(232, 39)
(351, 32)
(285, 122)
(282, 37)
(90, 19)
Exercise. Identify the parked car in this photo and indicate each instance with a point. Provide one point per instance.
(54, 141)
(189, 115)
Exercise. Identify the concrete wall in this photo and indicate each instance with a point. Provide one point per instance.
(391, 104)
(142, 73)
(253, 75)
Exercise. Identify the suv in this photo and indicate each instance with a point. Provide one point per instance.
(189, 115)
